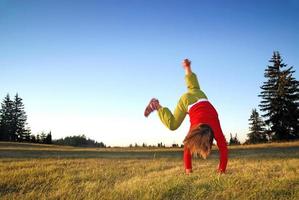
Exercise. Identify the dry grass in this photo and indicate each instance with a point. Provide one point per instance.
(50, 172)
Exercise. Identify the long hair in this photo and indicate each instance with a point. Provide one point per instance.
(199, 140)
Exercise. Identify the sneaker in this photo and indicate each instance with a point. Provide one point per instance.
(152, 106)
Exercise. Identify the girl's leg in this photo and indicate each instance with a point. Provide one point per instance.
(187, 160)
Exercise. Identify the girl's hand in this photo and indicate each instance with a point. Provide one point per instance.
(188, 171)
(186, 63)
(187, 66)
(220, 171)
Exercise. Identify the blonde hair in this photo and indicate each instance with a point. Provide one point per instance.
(199, 140)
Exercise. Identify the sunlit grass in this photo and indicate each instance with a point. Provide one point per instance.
(256, 172)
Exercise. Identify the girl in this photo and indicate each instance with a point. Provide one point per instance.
(204, 122)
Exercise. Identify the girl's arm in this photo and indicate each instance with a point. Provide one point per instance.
(223, 152)
(187, 66)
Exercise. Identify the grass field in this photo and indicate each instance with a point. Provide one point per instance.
(30, 171)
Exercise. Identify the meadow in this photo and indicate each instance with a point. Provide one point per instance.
(33, 171)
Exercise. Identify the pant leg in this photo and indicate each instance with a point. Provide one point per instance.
(187, 158)
(173, 121)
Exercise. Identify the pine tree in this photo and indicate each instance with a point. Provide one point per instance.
(280, 97)
(48, 139)
(27, 135)
(257, 132)
(32, 138)
(231, 140)
(43, 137)
(6, 116)
(19, 119)
(234, 140)
(38, 140)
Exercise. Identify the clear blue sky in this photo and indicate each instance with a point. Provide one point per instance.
(91, 66)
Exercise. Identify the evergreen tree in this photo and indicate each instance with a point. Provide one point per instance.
(280, 97)
(32, 138)
(6, 116)
(231, 139)
(27, 135)
(19, 119)
(37, 139)
(43, 137)
(257, 132)
(234, 140)
(48, 139)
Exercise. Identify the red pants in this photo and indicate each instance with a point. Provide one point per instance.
(187, 158)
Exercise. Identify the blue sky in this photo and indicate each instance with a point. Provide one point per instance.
(90, 67)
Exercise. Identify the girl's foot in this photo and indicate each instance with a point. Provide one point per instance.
(152, 106)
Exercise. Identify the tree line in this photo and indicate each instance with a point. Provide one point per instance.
(79, 141)
(159, 145)
(13, 123)
(14, 127)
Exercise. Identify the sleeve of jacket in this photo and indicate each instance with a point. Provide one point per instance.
(222, 146)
